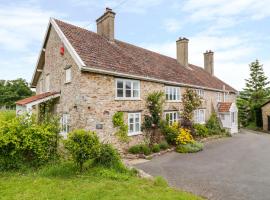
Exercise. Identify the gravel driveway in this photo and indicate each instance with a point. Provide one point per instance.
(227, 169)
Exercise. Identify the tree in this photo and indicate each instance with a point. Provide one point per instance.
(255, 93)
(13, 90)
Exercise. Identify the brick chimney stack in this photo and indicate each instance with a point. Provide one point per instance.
(105, 24)
(209, 62)
(182, 51)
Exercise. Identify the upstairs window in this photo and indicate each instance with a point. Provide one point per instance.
(134, 124)
(172, 117)
(127, 89)
(47, 83)
(68, 74)
(219, 97)
(200, 92)
(199, 116)
(172, 93)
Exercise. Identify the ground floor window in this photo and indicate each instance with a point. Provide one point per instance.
(199, 116)
(233, 117)
(172, 117)
(65, 124)
(134, 123)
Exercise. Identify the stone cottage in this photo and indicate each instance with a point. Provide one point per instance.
(91, 76)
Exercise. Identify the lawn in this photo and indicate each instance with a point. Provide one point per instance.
(63, 182)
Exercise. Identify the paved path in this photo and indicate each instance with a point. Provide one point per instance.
(227, 169)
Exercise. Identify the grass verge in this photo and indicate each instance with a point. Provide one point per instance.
(62, 181)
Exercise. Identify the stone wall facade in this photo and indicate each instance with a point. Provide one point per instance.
(89, 98)
(265, 114)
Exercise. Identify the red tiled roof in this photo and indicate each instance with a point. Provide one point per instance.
(98, 52)
(35, 98)
(224, 106)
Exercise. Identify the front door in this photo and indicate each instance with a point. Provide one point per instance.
(268, 123)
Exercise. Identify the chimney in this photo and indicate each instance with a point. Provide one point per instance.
(182, 51)
(209, 62)
(105, 24)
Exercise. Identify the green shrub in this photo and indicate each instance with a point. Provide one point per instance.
(118, 121)
(189, 147)
(170, 133)
(164, 145)
(109, 157)
(7, 115)
(213, 125)
(82, 145)
(156, 148)
(140, 149)
(24, 142)
(200, 130)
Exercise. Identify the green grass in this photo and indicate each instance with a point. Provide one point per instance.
(63, 182)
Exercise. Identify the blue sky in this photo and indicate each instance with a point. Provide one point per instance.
(238, 31)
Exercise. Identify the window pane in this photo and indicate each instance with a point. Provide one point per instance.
(131, 128)
(137, 128)
(135, 85)
(131, 119)
(128, 93)
(120, 93)
(128, 85)
(120, 84)
(135, 93)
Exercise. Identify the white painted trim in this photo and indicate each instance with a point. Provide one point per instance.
(179, 93)
(119, 74)
(70, 48)
(124, 92)
(41, 100)
(140, 123)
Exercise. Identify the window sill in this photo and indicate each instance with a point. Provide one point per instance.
(173, 101)
(134, 134)
(66, 83)
(127, 99)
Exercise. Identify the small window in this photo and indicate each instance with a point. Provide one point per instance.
(226, 97)
(233, 117)
(134, 124)
(199, 116)
(68, 75)
(127, 89)
(47, 83)
(65, 124)
(172, 93)
(200, 92)
(172, 117)
(219, 97)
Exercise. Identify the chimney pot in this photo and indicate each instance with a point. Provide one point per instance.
(182, 51)
(209, 62)
(105, 24)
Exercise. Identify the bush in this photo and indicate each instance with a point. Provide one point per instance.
(170, 132)
(213, 125)
(109, 157)
(200, 130)
(82, 145)
(156, 148)
(189, 147)
(7, 115)
(164, 145)
(140, 149)
(24, 142)
(184, 137)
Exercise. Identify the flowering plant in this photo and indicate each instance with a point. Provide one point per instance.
(184, 137)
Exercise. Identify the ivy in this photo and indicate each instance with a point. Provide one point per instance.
(118, 122)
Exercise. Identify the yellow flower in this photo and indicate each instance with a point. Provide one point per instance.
(184, 137)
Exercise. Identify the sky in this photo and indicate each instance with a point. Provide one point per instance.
(238, 31)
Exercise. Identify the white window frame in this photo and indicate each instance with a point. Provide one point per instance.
(199, 116)
(200, 92)
(219, 97)
(134, 116)
(173, 94)
(65, 124)
(47, 83)
(173, 117)
(68, 75)
(124, 89)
